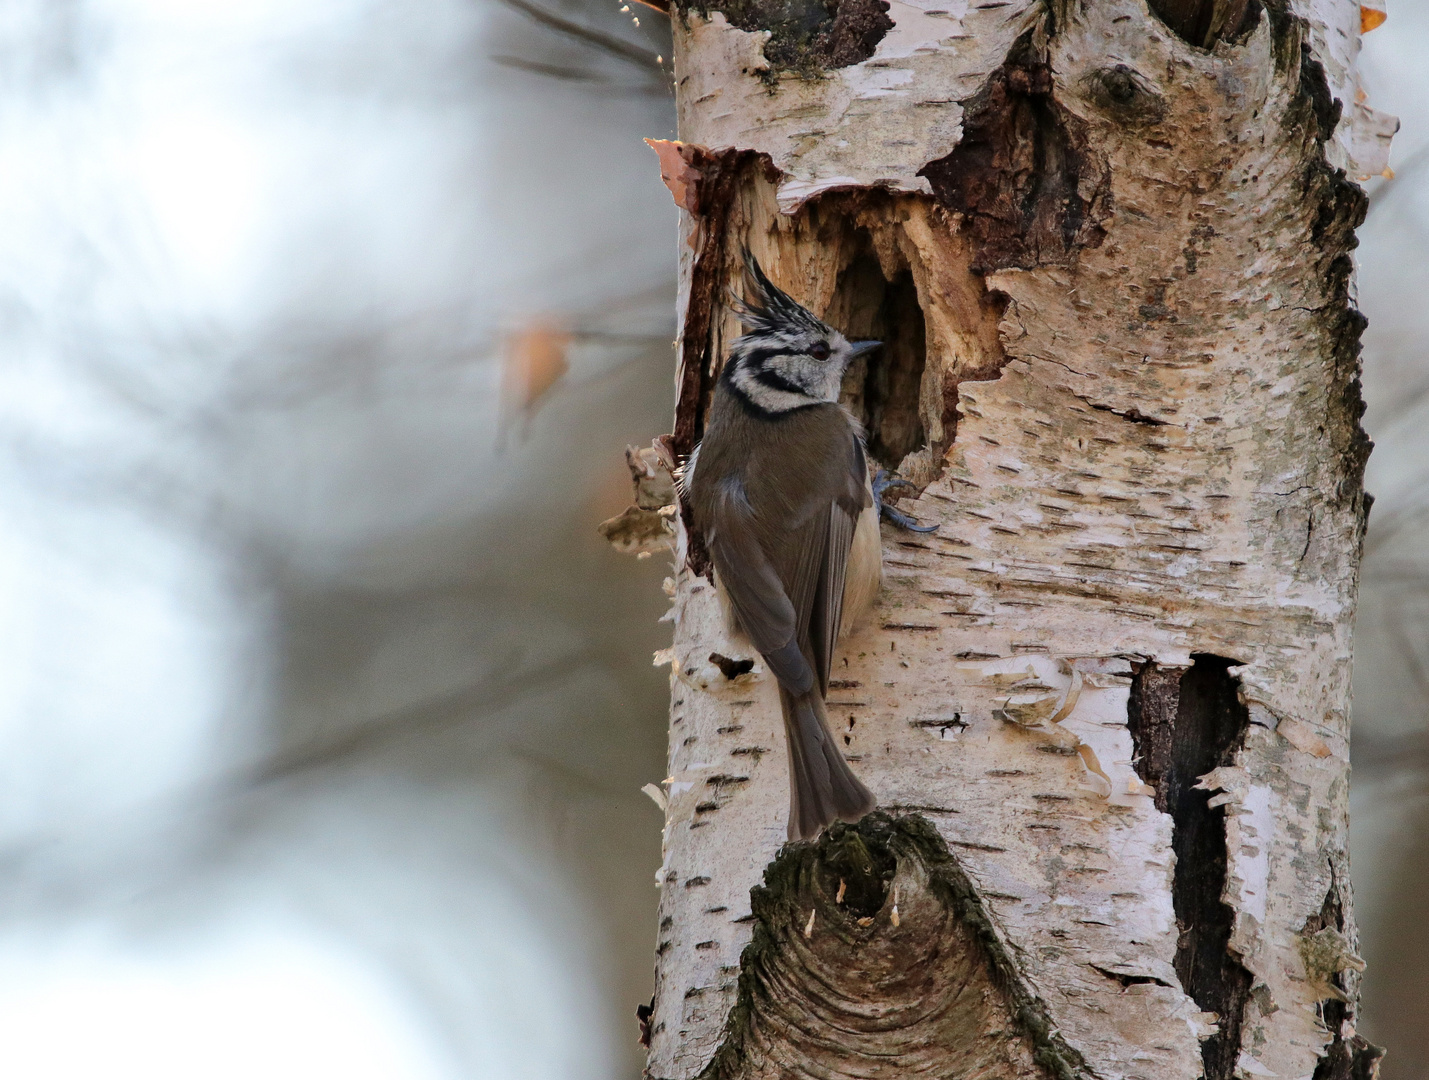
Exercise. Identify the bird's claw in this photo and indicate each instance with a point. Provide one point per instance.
(903, 521)
(883, 481)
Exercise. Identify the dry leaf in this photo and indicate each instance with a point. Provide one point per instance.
(1372, 14)
(534, 361)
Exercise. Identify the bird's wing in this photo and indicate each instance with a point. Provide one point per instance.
(818, 569)
(755, 588)
(790, 606)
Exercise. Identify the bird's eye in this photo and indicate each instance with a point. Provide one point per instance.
(820, 351)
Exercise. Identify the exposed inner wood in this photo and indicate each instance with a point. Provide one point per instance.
(883, 389)
(874, 265)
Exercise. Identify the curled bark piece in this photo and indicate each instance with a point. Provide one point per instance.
(636, 531)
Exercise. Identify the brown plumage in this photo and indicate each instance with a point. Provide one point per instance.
(779, 488)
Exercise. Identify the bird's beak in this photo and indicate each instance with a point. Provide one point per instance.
(858, 348)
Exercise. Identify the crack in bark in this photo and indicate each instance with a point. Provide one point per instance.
(1350, 1056)
(1127, 980)
(1184, 723)
(906, 975)
(1132, 414)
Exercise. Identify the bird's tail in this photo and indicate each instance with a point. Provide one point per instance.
(822, 787)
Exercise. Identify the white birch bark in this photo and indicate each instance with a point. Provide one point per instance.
(1137, 431)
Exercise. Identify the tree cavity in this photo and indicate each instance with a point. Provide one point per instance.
(883, 389)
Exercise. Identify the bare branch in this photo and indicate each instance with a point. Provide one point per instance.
(597, 39)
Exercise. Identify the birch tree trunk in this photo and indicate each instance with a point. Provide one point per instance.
(1105, 706)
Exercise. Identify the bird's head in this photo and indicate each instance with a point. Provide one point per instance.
(788, 358)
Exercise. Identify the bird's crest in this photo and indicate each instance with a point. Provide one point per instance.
(769, 307)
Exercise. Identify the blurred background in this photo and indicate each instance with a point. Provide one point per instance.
(324, 710)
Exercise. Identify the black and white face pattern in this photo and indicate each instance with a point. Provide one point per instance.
(789, 358)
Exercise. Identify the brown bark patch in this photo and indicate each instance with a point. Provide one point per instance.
(1204, 22)
(1030, 189)
(874, 956)
(809, 36)
(1184, 723)
(712, 183)
(718, 180)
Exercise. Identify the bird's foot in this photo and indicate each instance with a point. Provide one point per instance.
(883, 481)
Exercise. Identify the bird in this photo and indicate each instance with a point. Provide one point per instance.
(780, 493)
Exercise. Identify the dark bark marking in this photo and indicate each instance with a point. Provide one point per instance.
(1133, 414)
(807, 36)
(1126, 94)
(1339, 209)
(1202, 23)
(1125, 979)
(731, 668)
(1184, 723)
(722, 174)
(1031, 190)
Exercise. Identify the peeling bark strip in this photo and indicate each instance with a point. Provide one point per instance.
(709, 187)
(1110, 252)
